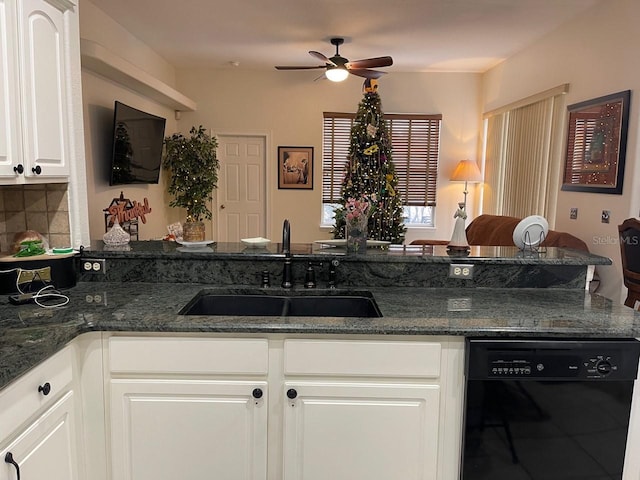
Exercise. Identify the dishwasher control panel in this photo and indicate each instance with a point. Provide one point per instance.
(541, 360)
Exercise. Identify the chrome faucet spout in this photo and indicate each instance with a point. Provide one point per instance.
(287, 281)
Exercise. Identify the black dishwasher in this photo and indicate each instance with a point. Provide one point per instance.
(547, 409)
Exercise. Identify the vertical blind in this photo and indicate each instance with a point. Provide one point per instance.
(522, 158)
(415, 140)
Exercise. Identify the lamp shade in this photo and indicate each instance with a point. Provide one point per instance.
(466, 171)
(337, 74)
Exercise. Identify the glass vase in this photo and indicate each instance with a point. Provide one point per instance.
(357, 234)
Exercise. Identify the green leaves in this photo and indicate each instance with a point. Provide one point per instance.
(193, 165)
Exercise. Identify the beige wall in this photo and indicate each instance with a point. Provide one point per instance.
(99, 95)
(287, 107)
(596, 54)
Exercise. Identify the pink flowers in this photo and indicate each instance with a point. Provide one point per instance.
(357, 209)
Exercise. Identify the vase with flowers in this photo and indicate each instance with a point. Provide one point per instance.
(356, 221)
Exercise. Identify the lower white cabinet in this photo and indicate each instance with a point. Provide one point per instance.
(360, 430)
(45, 449)
(282, 408)
(39, 427)
(189, 429)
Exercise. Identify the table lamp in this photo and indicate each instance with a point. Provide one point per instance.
(466, 171)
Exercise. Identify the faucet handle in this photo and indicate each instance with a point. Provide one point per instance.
(310, 275)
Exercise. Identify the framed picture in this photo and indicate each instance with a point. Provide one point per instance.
(295, 167)
(597, 144)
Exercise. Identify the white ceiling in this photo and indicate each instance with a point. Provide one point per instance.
(420, 35)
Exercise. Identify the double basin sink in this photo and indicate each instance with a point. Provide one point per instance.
(283, 303)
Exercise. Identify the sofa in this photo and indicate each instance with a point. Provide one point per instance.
(497, 230)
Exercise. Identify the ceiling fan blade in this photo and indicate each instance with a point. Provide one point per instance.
(285, 67)
(371, 63)
(321, 57)
(363, 72)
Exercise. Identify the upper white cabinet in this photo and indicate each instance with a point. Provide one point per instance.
(36, 107)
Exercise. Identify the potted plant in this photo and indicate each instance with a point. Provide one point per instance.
(193, 165)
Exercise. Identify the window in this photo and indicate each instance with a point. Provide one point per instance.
(415, 140)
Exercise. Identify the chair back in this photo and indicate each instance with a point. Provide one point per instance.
(629, 232)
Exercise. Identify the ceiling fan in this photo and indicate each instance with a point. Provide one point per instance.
(338, 68)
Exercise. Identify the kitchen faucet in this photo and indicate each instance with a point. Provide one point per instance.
(286, 249)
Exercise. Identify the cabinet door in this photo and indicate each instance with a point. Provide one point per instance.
(9, 119)
(43, 74)
(47, 448)
(188, 429)
(373, 431)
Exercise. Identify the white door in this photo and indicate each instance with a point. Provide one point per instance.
(241, 197)
(46, 449)
(355, 431)
(188, 430)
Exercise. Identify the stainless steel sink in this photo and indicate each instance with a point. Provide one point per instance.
(267, 303)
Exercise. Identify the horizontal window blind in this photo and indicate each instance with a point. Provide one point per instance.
(415, 141)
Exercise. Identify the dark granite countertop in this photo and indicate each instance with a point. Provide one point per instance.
(391, 254)
(30, 334)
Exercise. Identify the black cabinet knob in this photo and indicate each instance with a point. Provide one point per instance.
(18, 169)
(37, 169)
(257, 393)
(45, 389)
(291, 393)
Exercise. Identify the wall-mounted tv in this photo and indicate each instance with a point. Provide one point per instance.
(137, 146)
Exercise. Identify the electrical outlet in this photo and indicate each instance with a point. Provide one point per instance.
(94, 265)
(464, 272)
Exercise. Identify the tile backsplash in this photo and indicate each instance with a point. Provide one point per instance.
(43, 208)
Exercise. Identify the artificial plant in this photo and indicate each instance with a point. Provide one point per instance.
(193, 165)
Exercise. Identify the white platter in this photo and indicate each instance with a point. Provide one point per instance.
(256, 242)
(530, 232)
(341, 242)
(200, 244)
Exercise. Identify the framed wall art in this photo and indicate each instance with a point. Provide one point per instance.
(295, 168)
(597, 144)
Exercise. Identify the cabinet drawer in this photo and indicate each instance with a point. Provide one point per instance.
(129, 355)
(21, 400)
(362, 358)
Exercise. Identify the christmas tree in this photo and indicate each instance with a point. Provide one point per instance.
(370, 173)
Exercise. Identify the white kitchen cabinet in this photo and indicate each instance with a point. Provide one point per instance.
(36, 100)
(202, 415)
(45, 448)
(361, 430)
(365, 409)
(38, 423)
(340, 409)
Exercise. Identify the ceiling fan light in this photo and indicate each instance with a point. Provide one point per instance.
(337, 74)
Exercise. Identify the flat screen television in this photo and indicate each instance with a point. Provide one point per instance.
(137, 146)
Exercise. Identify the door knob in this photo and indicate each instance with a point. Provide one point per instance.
(37, 169)
(45, 389)
(18, 169)
(222, 207)
(291, 393)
